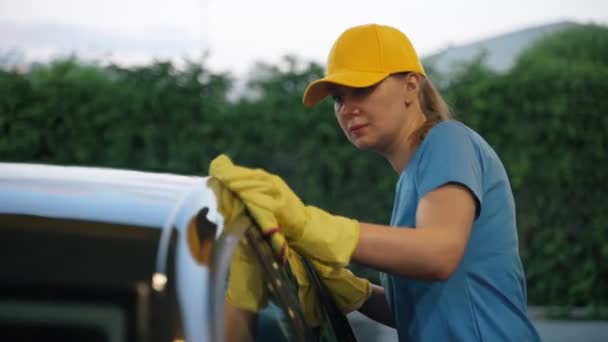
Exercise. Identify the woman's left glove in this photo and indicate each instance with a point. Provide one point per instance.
(348, 291)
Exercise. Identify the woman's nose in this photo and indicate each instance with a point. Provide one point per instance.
(349, 107)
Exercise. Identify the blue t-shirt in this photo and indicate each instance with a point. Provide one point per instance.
(485, 298)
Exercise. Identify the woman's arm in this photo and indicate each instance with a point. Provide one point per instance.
(431, 251)
(377, 308)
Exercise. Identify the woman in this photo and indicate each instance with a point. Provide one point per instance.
(458, 274)
(450, 264)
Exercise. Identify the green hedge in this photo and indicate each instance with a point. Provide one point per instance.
(546, 118)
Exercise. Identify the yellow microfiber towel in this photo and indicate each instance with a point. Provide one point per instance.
(348, 290)
(246, 288)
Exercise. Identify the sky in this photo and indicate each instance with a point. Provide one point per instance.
(237, 33)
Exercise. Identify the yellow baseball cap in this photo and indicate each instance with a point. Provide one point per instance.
(363, 56)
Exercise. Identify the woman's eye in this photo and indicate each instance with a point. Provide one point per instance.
(360, 92)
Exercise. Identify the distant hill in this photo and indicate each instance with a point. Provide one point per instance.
(501, 51)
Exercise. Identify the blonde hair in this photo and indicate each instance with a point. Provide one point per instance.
(433, 106)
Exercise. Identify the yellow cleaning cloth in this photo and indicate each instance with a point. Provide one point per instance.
(246, 288)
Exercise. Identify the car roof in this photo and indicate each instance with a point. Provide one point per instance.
(97, 193)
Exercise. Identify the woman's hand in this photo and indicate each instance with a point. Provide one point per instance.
(311, 231)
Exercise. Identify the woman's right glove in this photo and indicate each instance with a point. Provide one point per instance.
(309, 230)
(246, 288)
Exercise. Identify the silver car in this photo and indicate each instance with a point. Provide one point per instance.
(100, 254)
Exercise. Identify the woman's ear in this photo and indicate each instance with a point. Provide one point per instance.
(411, 88)
(413, 81)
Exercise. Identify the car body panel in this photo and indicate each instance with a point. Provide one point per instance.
(108, 229)
(137, 252)
(97, 194)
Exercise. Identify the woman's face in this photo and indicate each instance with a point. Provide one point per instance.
(374, 118)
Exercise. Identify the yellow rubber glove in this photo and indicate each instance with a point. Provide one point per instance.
(348, 291)
(310, 231)
(246, 288)
(263, 215)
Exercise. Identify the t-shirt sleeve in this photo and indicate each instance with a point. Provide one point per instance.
(449, 155)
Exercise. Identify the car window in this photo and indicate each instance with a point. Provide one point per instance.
(55, 287)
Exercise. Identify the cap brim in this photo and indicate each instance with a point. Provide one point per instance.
(319, 89)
